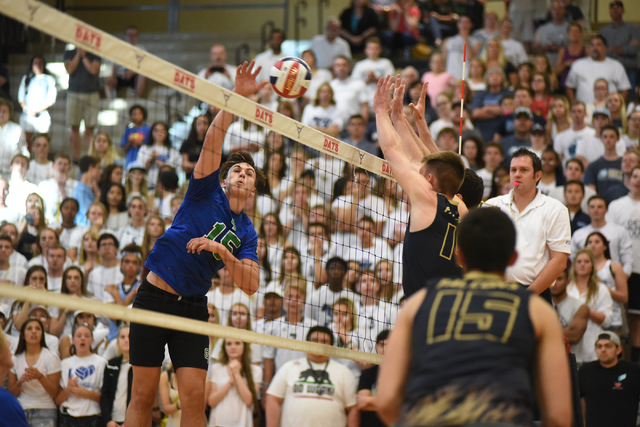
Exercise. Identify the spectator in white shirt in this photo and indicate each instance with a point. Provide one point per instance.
(57, 188)
(134, 232)
(19, 188)
(12, 138)
(542, 223)
(6, 213)
(585, 71)
(328, 46)
(371, 69)
(349, 92)
(269, 57)
(108, 273)
(218, 71)
(40, 167)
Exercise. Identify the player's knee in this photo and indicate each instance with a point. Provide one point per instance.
(144, 397)
(192, 398)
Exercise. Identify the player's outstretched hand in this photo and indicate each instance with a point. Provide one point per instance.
(246, 79)
(202, 243)
(398, 98)
(382, 97)
(418, 110)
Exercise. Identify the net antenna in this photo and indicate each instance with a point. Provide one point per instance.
(464, 64)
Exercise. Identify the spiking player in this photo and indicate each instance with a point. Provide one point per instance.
(182, 265)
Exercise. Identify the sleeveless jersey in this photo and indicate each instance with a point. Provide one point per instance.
(429, 253)
(605, 274)
(205, 212)
(472, 346)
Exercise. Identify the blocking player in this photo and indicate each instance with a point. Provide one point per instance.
(183, 264)
(473, 351)
(431, 182)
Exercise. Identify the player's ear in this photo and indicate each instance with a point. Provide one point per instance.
(513, 258)
(460, 257)
(223, 184)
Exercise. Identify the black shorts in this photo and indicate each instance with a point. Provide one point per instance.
(187, 349)
(634, 293)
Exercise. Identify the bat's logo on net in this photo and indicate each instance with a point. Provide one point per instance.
(361, 155)
(33, 8)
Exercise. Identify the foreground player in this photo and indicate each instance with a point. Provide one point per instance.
(465, 351)
(431, 183)
(183, 264)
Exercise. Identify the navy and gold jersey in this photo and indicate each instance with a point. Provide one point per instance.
(205, 212)
(429, 253)
(473, 344)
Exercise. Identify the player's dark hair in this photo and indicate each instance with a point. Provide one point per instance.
(321, 329)
(241, 157)
(574, 182)
(107, 236)
(448, 169)
(472, 189)
(535, 160)
(487, 239)
(6, 237)
(382, 336)
(86, 162)
(142, 110)
(169, 180)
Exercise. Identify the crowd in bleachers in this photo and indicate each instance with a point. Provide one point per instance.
(330, 234)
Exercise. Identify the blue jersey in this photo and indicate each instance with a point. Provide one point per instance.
(204, 212)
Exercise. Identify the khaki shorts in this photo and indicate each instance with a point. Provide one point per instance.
(83, 106)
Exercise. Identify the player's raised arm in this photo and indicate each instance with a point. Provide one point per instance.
(411, 150)
(391, 144)
(421, 123)
(209, 160)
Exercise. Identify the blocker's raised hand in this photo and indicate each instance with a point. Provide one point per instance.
(246, 79)
(382, 97)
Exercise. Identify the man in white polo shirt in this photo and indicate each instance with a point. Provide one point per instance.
(542, 225)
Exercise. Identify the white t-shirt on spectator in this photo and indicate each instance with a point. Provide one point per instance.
(284, 329)
(319, 304)
(129, 235)
(602, 303)
(322, 117)
(592, 148)
(585, 71)
(237, 136)
(99, 278)
(381, 67)
(32, 393)
(625, 212)
(302, 400)
(50, 193)
(620, 245)
(89, 371)
(317, 79)
(566, 142)
(38, 172)
(12, 141)
(349, 94)
(231, 410)
(326, 51)
(224, 302)
(10, 215)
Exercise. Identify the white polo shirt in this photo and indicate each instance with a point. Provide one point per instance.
(625, 212)
(542, 226)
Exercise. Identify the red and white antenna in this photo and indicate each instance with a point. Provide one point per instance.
(464, 64)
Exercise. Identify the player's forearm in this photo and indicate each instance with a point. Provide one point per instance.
(389, 139)
(549, 273)
(426, 139)
(244, 274)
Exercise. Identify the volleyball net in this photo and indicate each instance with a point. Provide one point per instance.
(330, 218)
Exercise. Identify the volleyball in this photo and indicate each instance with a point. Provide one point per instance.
(290, 77)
